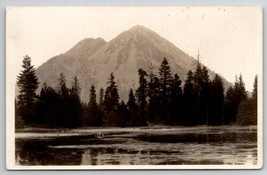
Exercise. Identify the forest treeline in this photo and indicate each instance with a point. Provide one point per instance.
(159, 99)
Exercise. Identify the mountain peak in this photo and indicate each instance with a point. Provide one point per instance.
(137, 33)
(139, 28)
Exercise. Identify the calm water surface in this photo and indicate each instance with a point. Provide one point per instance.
(138, 146)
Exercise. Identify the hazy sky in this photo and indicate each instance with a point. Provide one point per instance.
(229, 38)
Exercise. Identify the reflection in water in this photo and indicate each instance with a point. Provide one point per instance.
(101, 158)
(86, 158)
(213, 146)
(18, 160)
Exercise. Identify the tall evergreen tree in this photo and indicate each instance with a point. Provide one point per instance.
(198, 82)
(28, 83)
(197, 76)
(64, 117)
(70, 105)
(92, 102)
(217, 102)
(61, 86)
(247, 109)
(189, 84)
(189, 101)
(141, 94)
(135, 119)
(101, 104)
(75, 103)
(101, 97)
(255, 88)
(205, 97)
(234, 97)
(131, 104)
(75, 89)
(175, 101)
(229, 107)
(165, 78)
(94, 116)
(240, 90)
(111, 102)
(153, 98)
(240, 94)
(255, 101)
(202, 91)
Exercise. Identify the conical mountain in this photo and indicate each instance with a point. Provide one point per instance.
(92, 61)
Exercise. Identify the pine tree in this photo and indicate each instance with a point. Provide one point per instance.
(64, 116)
(229, 111)
(189, 101)
(75, 95)
(205, 97)
(234, 97)
(165, 78)
(205, 75)
(62, 87)
(76, 90)
(75, 104)
(153, 98)
(240, 91)
(94, 117)
(92, 102)
(189, 84)
(247, 109)
(255, 88)
(198, 90)
(202, 91)
(28, 83)
(101, 105)
(141, 94)
(197, 76)
(175, 100)
(238, 96)
(101, 97)
(217, 101)
(111, 100)
(132, 108)
(131, 104)
(255, 101)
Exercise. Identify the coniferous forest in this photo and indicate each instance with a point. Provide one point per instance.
(160, 99)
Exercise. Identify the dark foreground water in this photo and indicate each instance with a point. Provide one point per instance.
(138, 146)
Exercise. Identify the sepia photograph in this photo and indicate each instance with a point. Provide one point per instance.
(134, 87)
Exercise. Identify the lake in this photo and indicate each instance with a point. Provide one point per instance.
(202, 145)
